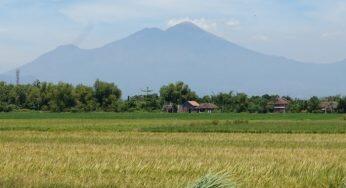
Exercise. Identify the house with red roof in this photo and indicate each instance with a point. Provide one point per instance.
(281, 105)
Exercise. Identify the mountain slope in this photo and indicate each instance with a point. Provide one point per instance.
(153, 57)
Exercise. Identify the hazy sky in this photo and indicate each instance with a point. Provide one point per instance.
(305, 30)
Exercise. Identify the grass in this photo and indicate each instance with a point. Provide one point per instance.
(181, 116)
(213, 180)
(255, 127)
(174, 125)
(95, 159)
(171, 150)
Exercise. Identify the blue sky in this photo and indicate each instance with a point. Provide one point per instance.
(305, 30)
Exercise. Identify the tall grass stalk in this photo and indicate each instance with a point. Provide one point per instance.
(213, 180)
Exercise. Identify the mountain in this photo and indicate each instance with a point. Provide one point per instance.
(208, 63)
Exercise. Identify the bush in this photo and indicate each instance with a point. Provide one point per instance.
(215, 122)
(213, 180)
(74, 110)
(193, 124)
(7, 107)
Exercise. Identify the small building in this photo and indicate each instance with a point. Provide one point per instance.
(328, 106)
(189, 106)
(169, 108)
(281, 105)
(207, 107)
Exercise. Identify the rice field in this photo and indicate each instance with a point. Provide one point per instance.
(171, 150)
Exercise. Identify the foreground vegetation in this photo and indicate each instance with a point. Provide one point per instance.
(161, 122)
(171, 150)
(100, 159)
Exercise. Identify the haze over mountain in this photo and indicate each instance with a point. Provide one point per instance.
(208, 63)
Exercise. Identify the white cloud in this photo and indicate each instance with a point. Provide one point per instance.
(332, 35)
(2, 30)
(233, 23)
(159, 3)
(202, 22)
(97, 12)
(337, 13)
(331, 12)
(210, 25)
(267, 25)
(109, 11)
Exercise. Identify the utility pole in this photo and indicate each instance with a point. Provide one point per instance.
(17, 76)
(147, 91)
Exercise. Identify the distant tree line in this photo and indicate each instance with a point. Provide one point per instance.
(103, 96)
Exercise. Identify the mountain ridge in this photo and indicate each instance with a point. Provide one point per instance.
(154, 57)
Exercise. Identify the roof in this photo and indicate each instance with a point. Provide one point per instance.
(193, 103)
(328, 104)
(282, 101)
(207, 106)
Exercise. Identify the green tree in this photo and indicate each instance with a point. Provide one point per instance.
(225, 101)
(34, 102)
(19, 95)
(241, 102)
(44, 99)
(85, 98)
(107, 95)
(259, 104)
(177, 93)
(6, 97)
(62, 98)
(342, 105)
(313, 104)
(298, 106)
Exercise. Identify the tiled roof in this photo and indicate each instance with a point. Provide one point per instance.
(193, 103)
(207, 106)
(281, 101)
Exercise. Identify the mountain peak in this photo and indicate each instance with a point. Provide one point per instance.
(147, 31)
(185, 26)
(154, 57)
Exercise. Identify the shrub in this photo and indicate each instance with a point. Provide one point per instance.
(215, 122)
(193, 124)
(7, 107)
(74, 110)
(213, 180)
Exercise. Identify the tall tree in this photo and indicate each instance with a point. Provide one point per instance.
(85, 98)
(342, 105)
(177, 93)
(106, 95)
(62, 98)
(241, 102)
(313, 104)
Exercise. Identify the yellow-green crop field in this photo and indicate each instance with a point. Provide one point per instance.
(161, 150)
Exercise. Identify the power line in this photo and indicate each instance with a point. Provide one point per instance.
(147, 91)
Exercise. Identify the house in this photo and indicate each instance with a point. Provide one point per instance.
(281, 105)
(189, 106)
(328, 106)
(169, 108)
(207, 107)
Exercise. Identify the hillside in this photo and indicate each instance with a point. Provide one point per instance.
(154, 57)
